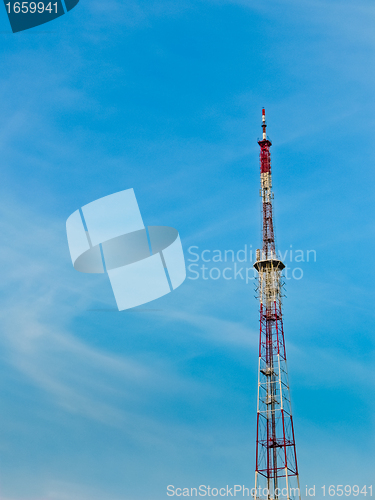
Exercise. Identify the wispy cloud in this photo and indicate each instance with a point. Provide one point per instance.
(39, 299)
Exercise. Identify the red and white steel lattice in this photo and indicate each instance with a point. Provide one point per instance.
(276, 473)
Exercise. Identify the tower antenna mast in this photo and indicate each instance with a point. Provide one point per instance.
(276, 470)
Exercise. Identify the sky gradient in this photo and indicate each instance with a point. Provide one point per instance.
(165, 98)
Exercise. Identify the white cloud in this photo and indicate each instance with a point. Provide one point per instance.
(40, 299)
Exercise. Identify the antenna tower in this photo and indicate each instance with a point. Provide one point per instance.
(276, 471)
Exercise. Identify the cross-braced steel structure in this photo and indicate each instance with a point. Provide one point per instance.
(276, 474)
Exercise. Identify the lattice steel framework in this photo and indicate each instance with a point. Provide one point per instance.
(276, 474)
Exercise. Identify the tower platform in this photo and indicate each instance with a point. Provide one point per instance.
(268, 264)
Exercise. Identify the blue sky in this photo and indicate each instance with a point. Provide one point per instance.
(165, 98)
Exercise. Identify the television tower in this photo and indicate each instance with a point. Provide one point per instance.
(276, 471)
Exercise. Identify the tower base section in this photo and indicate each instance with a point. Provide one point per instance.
(281, 488)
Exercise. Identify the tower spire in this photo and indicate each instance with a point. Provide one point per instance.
(266, 192)
(264, 124)
(276, 471)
